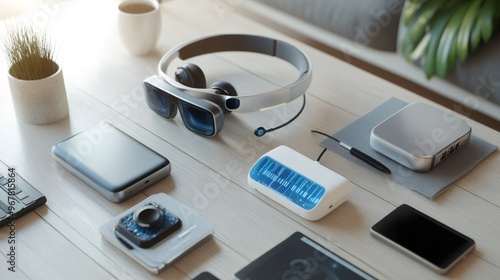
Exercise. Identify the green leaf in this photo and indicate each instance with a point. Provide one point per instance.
(475, 36)
(465, 31)
(420, 49)
(411, 9)
(445, 49)
(486, 15)
(417, 30)
(429, 56)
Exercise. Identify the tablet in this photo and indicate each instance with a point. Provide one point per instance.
(299, 257)
(110, 161)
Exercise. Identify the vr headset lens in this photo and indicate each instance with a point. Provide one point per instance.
(161, 102)
(195, 118)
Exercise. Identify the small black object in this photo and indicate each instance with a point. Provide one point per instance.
(148, 216)
(205, 276)
(357, 153)
(191, 75)
(224, 88)
(368, 159)
(260, 131)
(147, 225)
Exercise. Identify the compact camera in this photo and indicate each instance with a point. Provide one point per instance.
(147, 225)
(157, 231)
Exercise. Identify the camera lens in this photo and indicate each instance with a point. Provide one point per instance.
(301, 265)
(148, 216)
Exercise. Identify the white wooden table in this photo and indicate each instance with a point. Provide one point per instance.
(61, 239)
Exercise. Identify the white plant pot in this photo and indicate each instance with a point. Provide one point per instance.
(40, 101)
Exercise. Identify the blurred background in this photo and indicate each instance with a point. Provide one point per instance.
(9, 8)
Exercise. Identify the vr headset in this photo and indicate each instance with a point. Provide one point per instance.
(202, 107)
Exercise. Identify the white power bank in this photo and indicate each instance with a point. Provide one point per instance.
(420, 136)
(302, 185)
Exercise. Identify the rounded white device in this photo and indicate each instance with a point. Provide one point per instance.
(302, 185)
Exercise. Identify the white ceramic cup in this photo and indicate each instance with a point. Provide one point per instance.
(139, 25)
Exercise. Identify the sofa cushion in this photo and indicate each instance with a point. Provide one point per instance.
(371, 23)
(480, 73)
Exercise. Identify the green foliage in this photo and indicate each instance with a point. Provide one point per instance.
(440, 32)
(29, 53)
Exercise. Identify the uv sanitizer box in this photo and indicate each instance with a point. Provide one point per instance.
(300, 184)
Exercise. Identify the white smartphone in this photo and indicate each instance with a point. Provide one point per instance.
(427, 240)
(110, 161)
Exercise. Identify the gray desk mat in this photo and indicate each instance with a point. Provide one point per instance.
(429, 184)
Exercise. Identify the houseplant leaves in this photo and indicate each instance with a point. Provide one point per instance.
(440, 32)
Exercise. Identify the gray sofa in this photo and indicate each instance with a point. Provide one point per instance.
(375, 24)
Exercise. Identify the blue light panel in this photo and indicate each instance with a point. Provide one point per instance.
(288, 183)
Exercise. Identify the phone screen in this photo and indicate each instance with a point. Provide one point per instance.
(423, 237)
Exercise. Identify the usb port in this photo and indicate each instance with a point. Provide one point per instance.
(451, 149)
(443, 156)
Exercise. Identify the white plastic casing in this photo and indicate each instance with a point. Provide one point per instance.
(291, 165)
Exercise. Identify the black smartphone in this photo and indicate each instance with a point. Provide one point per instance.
(429, 241)
(147, 225)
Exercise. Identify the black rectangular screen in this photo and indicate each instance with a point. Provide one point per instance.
(299, 257)
(422, 235)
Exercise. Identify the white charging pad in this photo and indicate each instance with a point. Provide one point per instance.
(194, 230)
(300, 184)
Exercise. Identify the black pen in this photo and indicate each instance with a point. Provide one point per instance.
(359, 154)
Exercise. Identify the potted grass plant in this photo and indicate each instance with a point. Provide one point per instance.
(438, 33)
(35, 79)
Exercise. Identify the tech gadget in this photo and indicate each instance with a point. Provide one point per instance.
(420, 136)
(206, 276)
(147, 225)
(423, 238)
(202, 107)
(110, 161)
(359, 154)
(302, 185)
(299, 257)
(157, 231)
(17, 196)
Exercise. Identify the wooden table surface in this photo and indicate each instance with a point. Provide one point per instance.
(61, 239)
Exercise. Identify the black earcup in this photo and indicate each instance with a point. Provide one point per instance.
(224, 88)
(191, 76)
